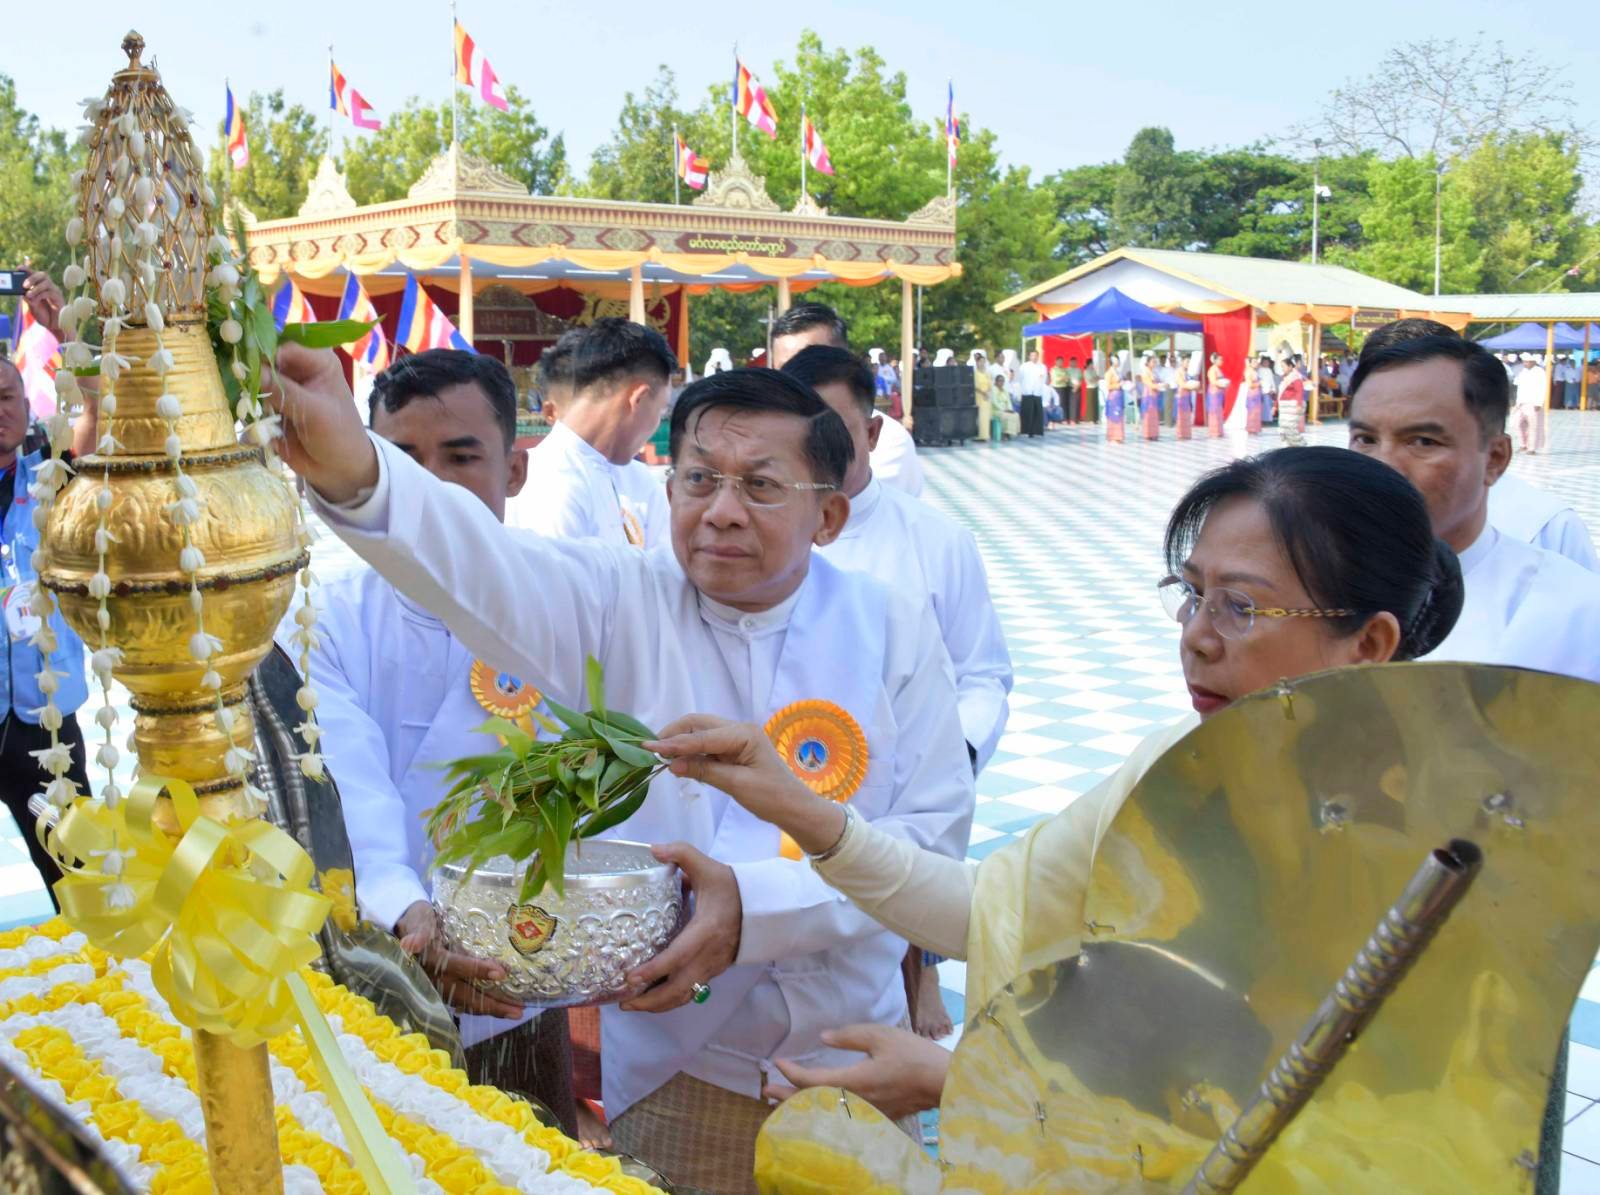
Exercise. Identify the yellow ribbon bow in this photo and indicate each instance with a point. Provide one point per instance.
(228, 909)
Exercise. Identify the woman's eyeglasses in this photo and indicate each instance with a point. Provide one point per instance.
(1232, 613)
(698, 482)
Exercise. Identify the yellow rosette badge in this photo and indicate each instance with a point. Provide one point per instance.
(824, 747)
(505, 696)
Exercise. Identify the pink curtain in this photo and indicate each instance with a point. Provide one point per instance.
(1230, 334)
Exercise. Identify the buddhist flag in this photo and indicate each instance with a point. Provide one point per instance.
(289, 306)
(473, 70)
(347, 101)
(37, 357)
(692, 167)
(372, 350)
(816, 152)
(952, 126)
(750, 101)
(233, 134)
(423, 326)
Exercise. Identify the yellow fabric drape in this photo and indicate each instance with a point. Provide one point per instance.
(433, 257)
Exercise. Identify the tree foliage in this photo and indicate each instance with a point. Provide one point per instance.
(382, 166)
(35, 188)
(1445, 96)
(286, 142)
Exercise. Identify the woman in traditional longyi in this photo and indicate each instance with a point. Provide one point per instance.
(1329, 560)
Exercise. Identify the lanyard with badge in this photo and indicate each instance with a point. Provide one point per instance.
(16, 595)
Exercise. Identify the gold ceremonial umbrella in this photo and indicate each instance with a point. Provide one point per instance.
(1276, 892)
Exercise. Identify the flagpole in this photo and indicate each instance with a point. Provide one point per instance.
(949, 115)
(455, 92)
(332, 99)
(677, 164)
(802, 149)
(733, 104)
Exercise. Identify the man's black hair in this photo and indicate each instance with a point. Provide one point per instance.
(822, 365)
(610, 349)
(804, 316)
(1403, 329)
(828, 448)
(424, 374)
(1484, 385)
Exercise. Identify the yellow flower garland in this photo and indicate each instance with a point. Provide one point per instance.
(179, 1164)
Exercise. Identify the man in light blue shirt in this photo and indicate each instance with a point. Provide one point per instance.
(21, 698)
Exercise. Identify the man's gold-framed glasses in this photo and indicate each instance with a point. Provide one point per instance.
(1232, 613)
(697, 481)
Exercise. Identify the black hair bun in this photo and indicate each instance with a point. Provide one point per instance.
(1436, 617)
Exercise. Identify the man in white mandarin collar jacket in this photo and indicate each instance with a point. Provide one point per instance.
(740, 620)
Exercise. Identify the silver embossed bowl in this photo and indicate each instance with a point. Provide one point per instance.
(622, 906)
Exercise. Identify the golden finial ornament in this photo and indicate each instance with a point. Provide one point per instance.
(174, 547)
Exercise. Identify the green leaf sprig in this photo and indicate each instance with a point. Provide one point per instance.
(260, 338)
(532, 798)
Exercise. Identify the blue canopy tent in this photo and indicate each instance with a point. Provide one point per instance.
(1112, 311)
(1532, 338)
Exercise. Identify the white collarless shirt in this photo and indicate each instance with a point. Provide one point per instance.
(894, 460)
(573, 491)
(1538, 517)
(913, 548)
(537, 606)
(1525, 607)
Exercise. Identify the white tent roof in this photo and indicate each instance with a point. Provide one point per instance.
(1542, 308)
(1173, 278)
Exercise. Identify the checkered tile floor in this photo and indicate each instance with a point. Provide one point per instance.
(1070, 528)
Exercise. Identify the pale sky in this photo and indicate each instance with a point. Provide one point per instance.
(1062, 84)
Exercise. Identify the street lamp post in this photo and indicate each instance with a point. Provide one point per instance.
(1438, 221)
(1316, 196)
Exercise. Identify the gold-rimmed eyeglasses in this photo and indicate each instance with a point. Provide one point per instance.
(697, 481)
(1232, 613)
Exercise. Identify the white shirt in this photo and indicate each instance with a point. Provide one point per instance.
(1538, 517)
(894, 460)
(536, 606)
(1566, 371)
(912, 547)
(1532, 384)
(1033, 378)
(394, 698)
(1526, 607)
(573, 491)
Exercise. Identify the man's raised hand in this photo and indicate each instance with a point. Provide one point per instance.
(323, 438)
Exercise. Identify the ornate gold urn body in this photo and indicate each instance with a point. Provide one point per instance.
(144, 224)
(246, 533)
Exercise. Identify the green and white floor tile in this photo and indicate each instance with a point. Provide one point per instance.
(1070, 528)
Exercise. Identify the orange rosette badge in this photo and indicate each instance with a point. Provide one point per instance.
(504, 696)
(824, 747)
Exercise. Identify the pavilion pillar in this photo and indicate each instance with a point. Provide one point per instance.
(783, 295)
(636, 294)
(1549, 361)
(464, 319)
(908, 331)
(1583, 370)
(683, 330)
(1315, 370)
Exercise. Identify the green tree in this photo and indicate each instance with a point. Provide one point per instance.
(35, 188)
(637, 163)
(1006, 232)
(1083, 198)
(1157, 191)
(1398, 229)
(382, 166)
(1523, 190)
(286, 142)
